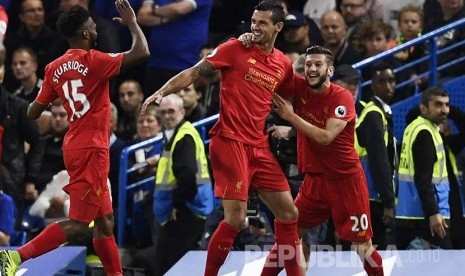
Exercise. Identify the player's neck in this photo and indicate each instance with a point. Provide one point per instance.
(79, 45)
(322, 89)
(268, 46)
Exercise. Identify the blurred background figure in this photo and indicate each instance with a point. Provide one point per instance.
(130, 96)
(190, 97)
(24, 66)
(168, 22)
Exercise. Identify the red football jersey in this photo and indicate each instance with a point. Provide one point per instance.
(249, 77)
(338, 158)
(81, 79)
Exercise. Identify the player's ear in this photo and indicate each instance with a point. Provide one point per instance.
(85, 33)
(331, 70)
(279, 26)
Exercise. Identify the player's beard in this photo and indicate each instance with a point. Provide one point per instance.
(320, 82)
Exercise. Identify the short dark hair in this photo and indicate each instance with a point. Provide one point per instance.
(315, 50)
(431, 92)
(71, 21)
(277, 12)
(380, 66)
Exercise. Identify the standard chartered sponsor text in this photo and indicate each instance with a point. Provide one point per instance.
(261, 79)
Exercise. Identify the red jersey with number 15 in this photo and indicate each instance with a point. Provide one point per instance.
(249, 77)
(81, 79)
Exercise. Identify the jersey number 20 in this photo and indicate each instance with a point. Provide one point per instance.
(361, 222)
(75, 97)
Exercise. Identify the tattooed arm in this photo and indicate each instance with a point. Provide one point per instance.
(180, 81)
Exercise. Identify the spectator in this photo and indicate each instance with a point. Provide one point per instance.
(53, 156)
(169, 22)
(191, 96)
(375, 37)
(183, 195)
(24, 65)
(299, 33)
(355, 14)
(32, 33)
(334, 32)
(148, 126)
(451, 11)
(410, 22)
(20, 169)
(375, 145)
(116, 147)
(145, 230)
(374, 8)
(131, 97)
(314, 9)
(423, 199)
(392, 11)
(348, 77)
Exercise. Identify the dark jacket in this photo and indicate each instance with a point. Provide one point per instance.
(17, 166)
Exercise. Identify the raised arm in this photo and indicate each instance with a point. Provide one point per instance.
(139, 49)
(180, 81)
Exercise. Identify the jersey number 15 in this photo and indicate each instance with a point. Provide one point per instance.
(74, 97)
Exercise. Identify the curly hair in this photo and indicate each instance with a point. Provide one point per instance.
(71, 22)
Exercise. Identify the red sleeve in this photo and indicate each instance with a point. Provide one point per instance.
(342, 107)
(107, 64)
(289, 86)
(46, 93)
(225, 54)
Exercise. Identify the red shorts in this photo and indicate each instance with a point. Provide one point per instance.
(237, 166)
(345, 200)
(88, 190)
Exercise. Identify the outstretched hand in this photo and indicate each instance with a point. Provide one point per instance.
(153, 99)
(282, 107)
(246, 39)
(126, 12)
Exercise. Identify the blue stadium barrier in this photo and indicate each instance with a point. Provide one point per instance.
(400, 111)
(456, 90)
(129, 193)
(18, 238)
